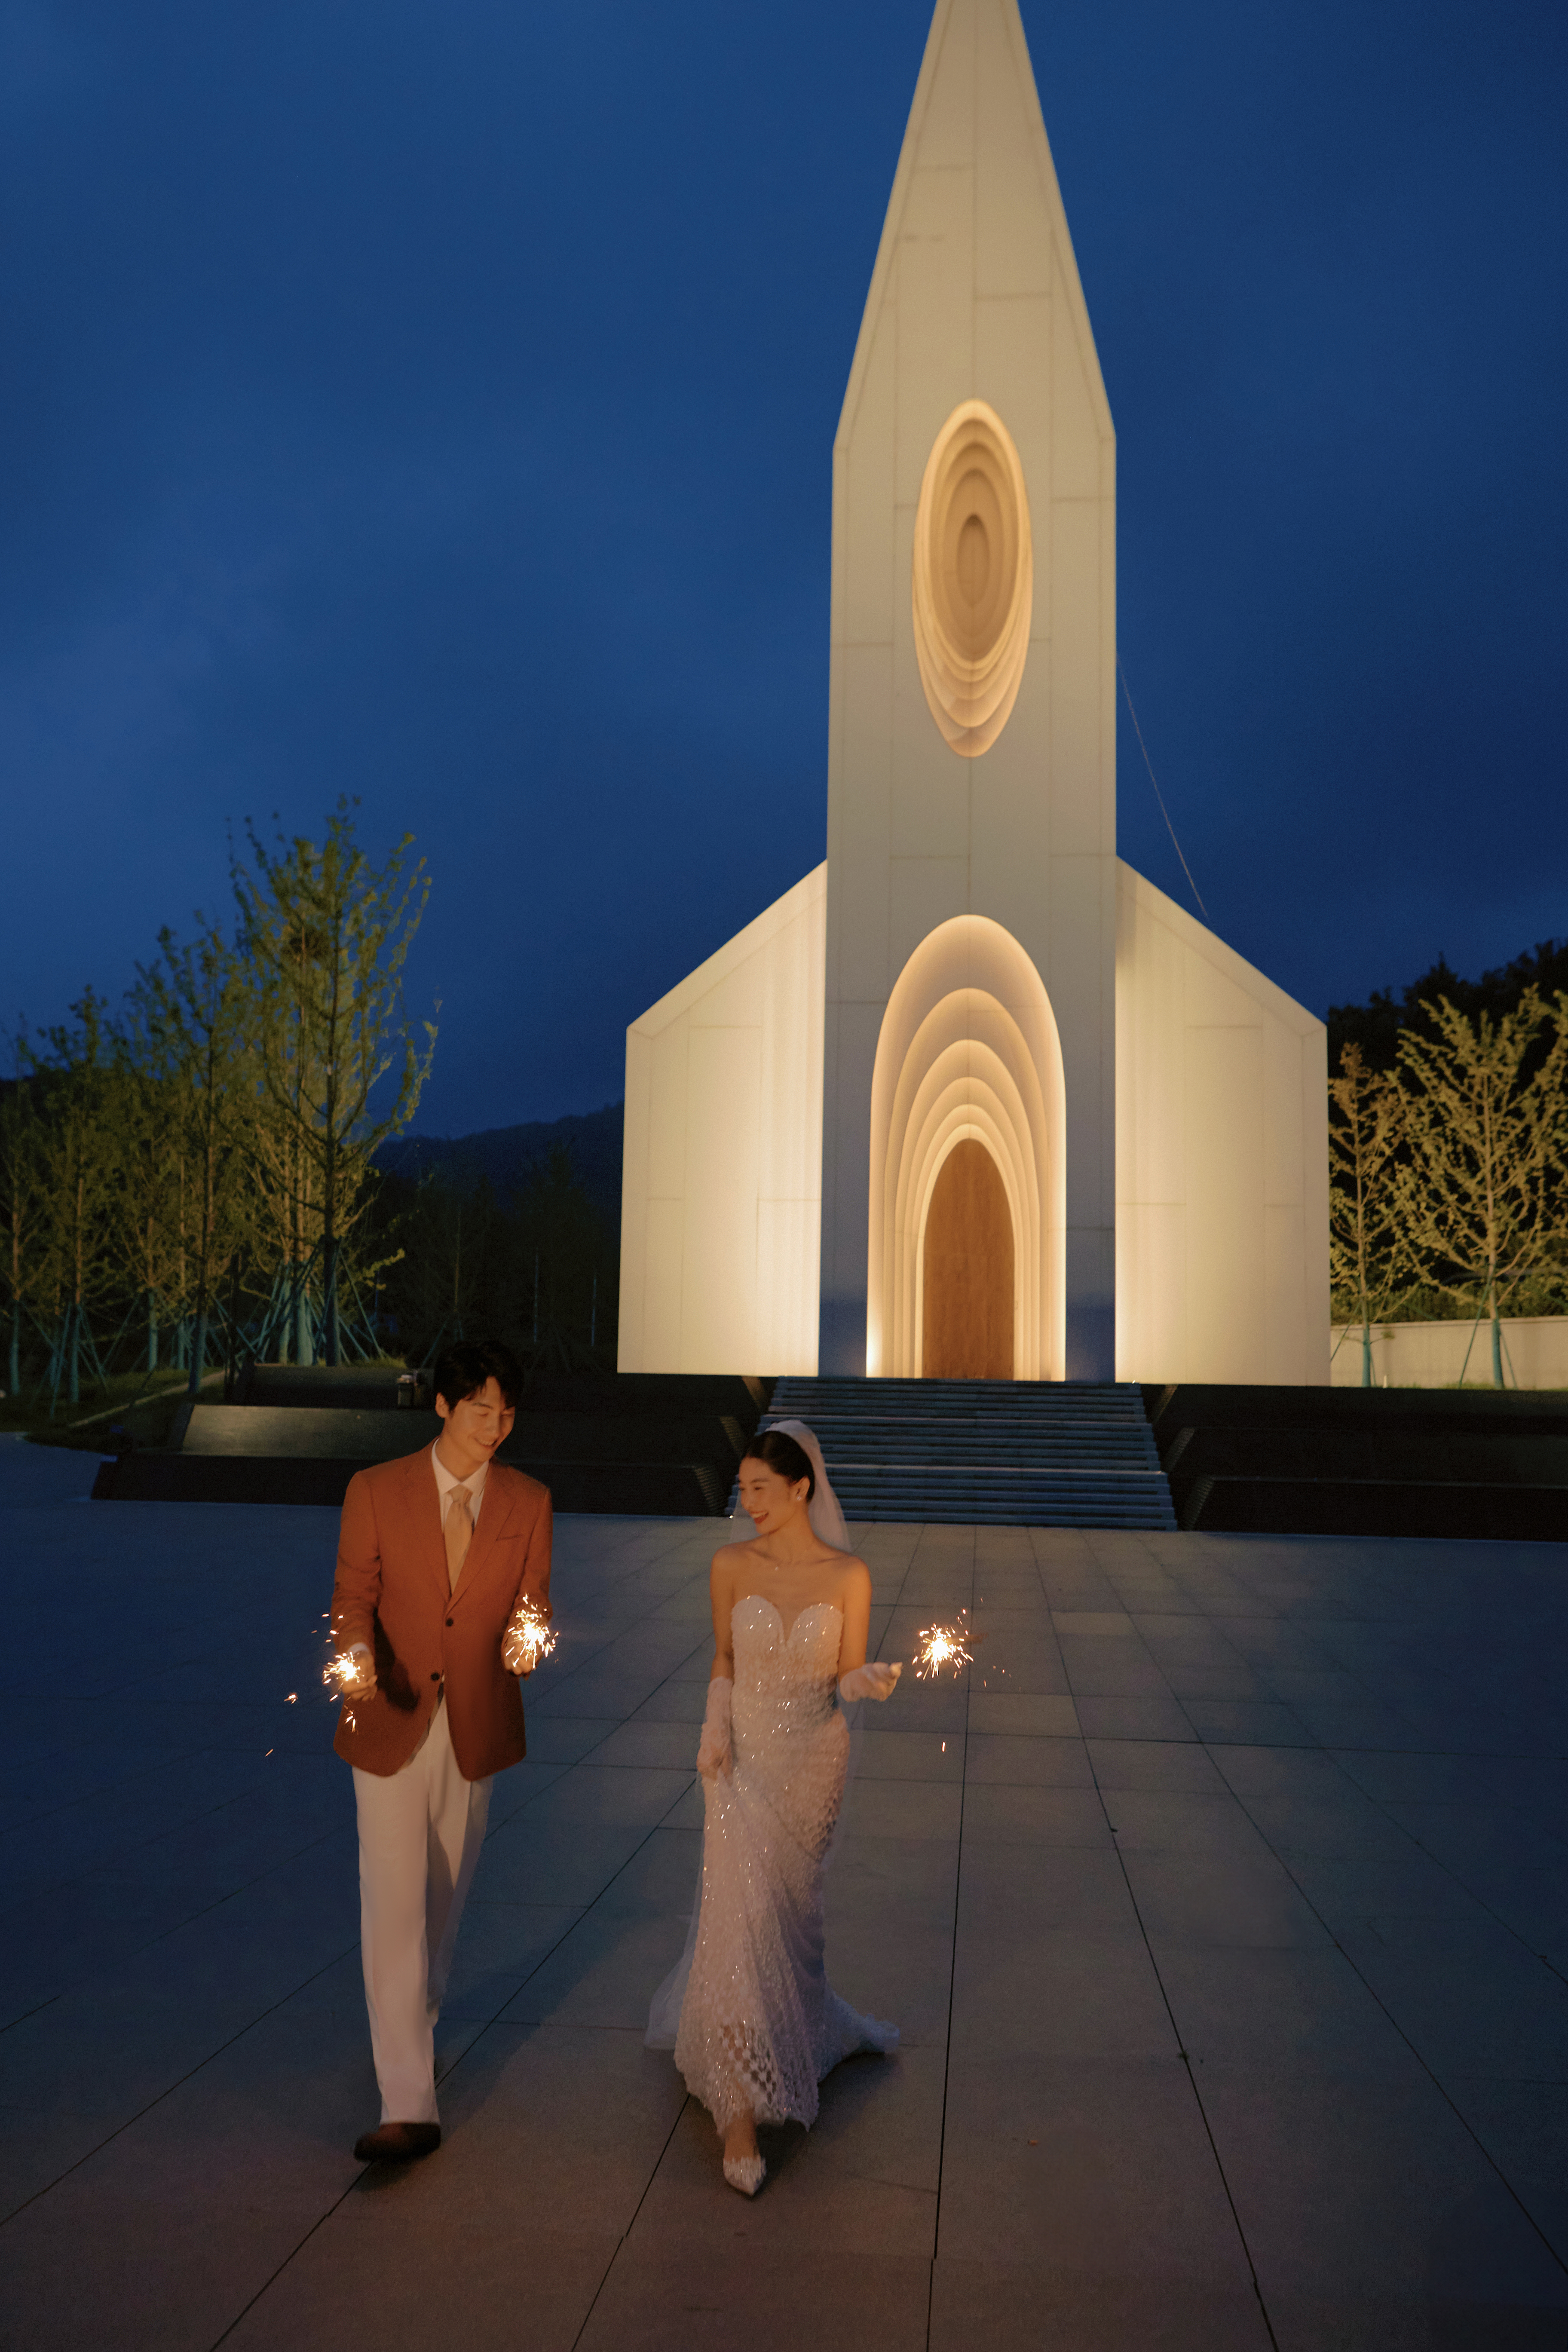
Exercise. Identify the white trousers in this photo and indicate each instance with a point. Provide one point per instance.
(420, 1830)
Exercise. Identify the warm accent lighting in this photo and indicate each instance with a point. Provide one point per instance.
(974, 578)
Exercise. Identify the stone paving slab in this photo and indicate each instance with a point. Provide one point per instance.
(1224, 1910)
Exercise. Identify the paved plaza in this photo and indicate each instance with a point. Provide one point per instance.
(1225, 1913)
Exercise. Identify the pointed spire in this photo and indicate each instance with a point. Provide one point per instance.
(976, 214)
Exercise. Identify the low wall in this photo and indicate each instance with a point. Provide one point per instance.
(1432, 1355)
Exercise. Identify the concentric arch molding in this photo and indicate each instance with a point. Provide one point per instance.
(974, 578)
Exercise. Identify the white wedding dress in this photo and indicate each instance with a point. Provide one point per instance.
(760, 2025)
(754, 2021)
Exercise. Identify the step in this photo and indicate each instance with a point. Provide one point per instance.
(997, 1453)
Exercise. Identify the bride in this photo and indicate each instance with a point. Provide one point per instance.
(759, 2024)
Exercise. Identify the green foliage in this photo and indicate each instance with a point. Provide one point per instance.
(1366, 1252)
(1448, 1159)
(197, 1174)
(188, 1046)
(1481, 1196)
(326, 936)
(197, 1180)
(77, 1156)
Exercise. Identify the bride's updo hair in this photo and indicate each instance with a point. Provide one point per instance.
(784, 1453)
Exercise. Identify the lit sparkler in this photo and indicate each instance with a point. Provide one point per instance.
(344, 1674)
(347, 1677)
(944, 1649)
(530, 1637)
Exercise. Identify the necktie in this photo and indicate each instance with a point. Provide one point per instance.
(460, 1531)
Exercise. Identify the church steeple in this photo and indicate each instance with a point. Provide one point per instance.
(1058, 1125)
(973, 745)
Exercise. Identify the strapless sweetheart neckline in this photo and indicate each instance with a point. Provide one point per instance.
(788, 1631)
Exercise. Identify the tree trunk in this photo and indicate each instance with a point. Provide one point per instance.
(332, 1331)
(334, 1334)
(151, 1331)
(231, 1338)
(73, 1360)
(14, 1388)
(198, 1343)
(1497, 1382)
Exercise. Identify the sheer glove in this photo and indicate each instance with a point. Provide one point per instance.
(357, 1678)
(714, 1747)
(875, 1680)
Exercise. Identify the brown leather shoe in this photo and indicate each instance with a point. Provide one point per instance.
(397, 2143)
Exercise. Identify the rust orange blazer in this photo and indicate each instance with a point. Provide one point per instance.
(393, 1592)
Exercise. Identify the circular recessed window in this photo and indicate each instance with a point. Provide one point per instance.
(974, 578)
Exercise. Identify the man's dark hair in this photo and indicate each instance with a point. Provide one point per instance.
(462, 1369)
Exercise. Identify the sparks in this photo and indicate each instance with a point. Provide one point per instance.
(943, 1649)
(343, 1676)
(529, 1638)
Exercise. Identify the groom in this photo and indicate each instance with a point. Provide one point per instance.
(436, 1553)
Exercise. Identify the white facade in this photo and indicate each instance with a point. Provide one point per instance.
(721, 1183)
(973, 958)
(1222, 1158)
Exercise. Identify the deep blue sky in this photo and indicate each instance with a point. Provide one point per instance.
(435, 402)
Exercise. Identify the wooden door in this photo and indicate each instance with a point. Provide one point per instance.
(967, 1317)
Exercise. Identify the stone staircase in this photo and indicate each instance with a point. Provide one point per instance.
(1042, 1453)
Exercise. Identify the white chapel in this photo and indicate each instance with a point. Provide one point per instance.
(973, 1098)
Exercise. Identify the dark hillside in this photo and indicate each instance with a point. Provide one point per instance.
(507, 1156)
(1376, 1025)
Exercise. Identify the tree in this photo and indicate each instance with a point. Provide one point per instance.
(536, 1264)
(195, 1015)
(454, 1278)
(153, 1160)
(23, 1205)
(1482, 1191)
(1366, 1122)
(77, 1156)
(568, 1267)
(328, 935)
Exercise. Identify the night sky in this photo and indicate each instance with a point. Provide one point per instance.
(436, 401)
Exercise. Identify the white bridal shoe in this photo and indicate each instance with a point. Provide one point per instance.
(745, 2173)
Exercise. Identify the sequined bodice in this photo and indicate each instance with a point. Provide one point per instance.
(789, 1737)
(794, 1672)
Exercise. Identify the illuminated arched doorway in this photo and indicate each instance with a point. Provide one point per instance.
(967, 1270)
(968, 1051)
